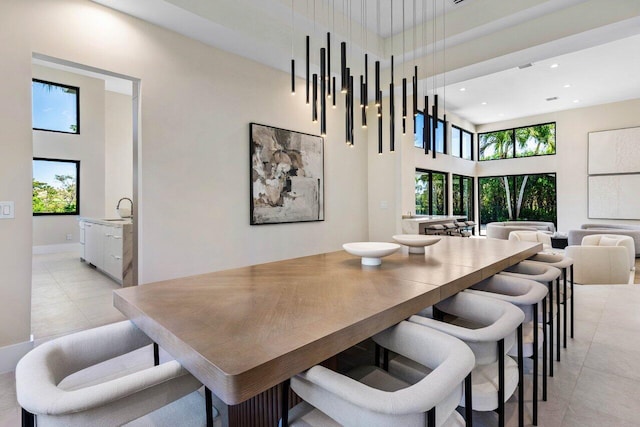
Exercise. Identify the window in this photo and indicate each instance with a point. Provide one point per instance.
(431, 192)
(517, 197)
(56, 107)
(463, 196)
(461, 143)
(56, 187)
(537, 140)
(418, 138)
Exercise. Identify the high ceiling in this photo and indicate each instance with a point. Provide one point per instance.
(594, 43)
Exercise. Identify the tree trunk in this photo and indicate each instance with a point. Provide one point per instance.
(508, 192)
(521, 195)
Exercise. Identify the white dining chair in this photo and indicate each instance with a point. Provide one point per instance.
(369, 396)
(105, 376)
(526, 295)
(490, 327)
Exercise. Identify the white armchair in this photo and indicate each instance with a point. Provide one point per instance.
(531, 236)
(103, 376)
(613, 240)
(601, 259)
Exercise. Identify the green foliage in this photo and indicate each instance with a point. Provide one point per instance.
(538, 202)
(529, 141)
(438, 183)
(60, 199)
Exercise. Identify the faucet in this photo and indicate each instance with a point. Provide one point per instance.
(130, 201)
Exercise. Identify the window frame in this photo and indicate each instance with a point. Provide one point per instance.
(430, 172)
(77, 164)
(77, 89)
(444, 134)
(514, 176)
(472, 215)
(462, 131)
(513, 130)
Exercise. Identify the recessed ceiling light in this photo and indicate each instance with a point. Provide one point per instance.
(462, 89)
(566, 86)
(554, 66)
(575, 101)
(484, 103)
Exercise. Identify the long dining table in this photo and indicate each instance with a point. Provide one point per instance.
(245, 330)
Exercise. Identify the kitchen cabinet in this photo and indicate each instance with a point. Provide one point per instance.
(108, 246)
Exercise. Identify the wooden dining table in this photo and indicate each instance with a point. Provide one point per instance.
(245, 330)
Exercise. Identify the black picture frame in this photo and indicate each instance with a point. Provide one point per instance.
(286, 176)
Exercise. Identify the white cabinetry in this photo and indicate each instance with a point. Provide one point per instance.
(108, 247)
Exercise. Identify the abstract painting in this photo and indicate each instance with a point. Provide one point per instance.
(287, 176)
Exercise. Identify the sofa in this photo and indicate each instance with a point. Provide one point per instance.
(575, 236)
(501, 230)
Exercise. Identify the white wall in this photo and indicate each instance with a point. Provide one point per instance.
(118, 159)
(196, 105)
(15, 174)
(88, 147)
(570, 162)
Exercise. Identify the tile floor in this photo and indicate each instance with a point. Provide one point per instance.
(68, 296)
(597, 383)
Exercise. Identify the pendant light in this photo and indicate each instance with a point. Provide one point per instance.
(293, 61)
(323, 94)
(404, 78)
(392, 142)
(307, 67)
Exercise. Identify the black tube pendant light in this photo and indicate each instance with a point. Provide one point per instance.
(415, 97)
(323, 93)
(347, 102)
(362, 104)
(392, 142)
(351, 96)
(334, 92)
(314, 106)
(343, 67)
(435, 125)
(307, 67)
(404, 78)
(426, 128)
(293, 61)
(328, 75)
(378, 92)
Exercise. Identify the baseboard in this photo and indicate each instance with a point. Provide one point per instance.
(11, 354)
(53, 249)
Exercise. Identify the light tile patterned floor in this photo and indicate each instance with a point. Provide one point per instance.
(596, 384)
(69, 295)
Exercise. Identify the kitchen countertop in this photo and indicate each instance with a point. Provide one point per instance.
(114, 222)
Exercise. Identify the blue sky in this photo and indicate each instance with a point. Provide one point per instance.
(45, 171)
(53, 109)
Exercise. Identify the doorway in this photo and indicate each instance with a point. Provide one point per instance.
(69, 294)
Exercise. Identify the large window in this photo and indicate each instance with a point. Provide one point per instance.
(517, 197)
(461, 143)
(431, 192)
(56, 107)
(418, 136)
(537, 140)
(56, 187)
(462, 196)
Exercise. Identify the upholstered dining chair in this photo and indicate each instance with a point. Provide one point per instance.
(489, 327)
(526, 295)
(546, 275)
(369, 396)
(565, 264)
(99, 377)
(613, 240)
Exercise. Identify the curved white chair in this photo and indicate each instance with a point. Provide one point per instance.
(488, 326)
(369, 396)
(613, 240)
(599, 264)
(563, 263)
(103, 376)
(526, 295)
(531, 236)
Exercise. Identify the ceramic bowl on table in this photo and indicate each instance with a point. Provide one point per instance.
(416, 242)
(371, 252)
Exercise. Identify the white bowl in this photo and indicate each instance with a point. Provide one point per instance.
(416, 242)
(371, 252)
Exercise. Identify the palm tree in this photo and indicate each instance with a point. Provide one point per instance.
(496, 145)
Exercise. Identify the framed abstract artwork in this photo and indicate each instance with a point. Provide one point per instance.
(287, 176)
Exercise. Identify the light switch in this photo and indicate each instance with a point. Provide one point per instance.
(6, 210)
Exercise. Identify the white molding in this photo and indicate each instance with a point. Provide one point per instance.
(11, 354)
(53, 249)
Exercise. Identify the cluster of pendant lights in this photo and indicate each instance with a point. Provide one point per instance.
(319, 88)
